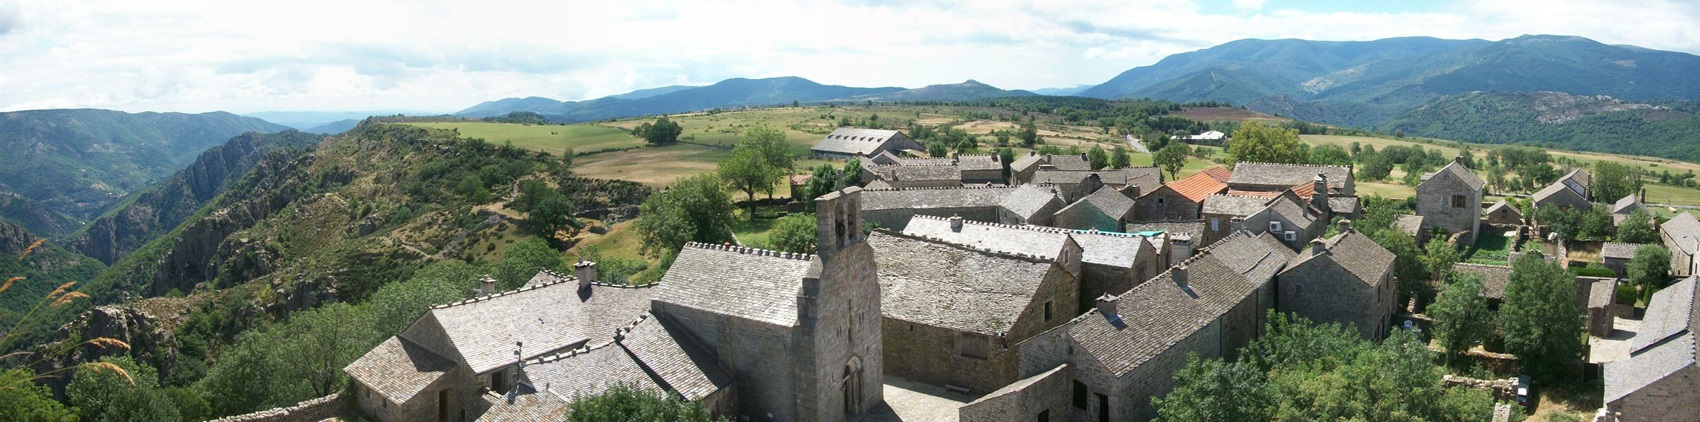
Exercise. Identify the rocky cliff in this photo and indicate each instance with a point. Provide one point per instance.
(13, 239)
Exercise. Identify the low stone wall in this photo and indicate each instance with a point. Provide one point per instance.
(308, 411)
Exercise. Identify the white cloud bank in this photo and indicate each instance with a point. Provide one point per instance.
(447, 55)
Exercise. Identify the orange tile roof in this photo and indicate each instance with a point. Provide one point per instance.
(1221, 174)
(1198, 186)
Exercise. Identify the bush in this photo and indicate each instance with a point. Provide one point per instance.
(1593, 271)
(1625, 294)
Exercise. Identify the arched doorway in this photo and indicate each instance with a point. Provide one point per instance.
(852, 385)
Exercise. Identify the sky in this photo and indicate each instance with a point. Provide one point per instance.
(444, 56)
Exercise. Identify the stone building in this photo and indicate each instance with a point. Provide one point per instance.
(1616, 256)
(1286, 217)
(1270, 177)
(1347, 279)
(1106, 263)
(979, 169)
(444, 365)
(956, 170)
(1029, 204)
(846, 143)
(953, 315)
(1183, 237)
(917, 176)
(1075, 184)
(1181, 199)
(1104, 210)
(1627, 205)
(1450, 200)
(1126, 350)
(1681, 235)
(1023, 168)
(892, 208)
(1568, 192)
(1660, 380)
(1503, 214)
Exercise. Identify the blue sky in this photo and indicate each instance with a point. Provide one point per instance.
(443, 56)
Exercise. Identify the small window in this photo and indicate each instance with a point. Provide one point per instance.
(1080, 395)
(1457, 201)
(1159, 202)
(1298, 289)
(1045, 415)
(971, 345)
(1047, 311)
(1275, 226)
(1213, 226)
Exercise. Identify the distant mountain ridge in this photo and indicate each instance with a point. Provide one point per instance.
(65, 166)
(728, 93)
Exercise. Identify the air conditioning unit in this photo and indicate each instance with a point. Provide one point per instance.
(1292, 236)
(1275, 226)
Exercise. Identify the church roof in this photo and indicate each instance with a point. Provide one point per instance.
(398, 369)
(1110, 249)
(674, 359)
(545, 318)
(753, 284)
(588, 372)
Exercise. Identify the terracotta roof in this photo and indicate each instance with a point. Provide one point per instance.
(954, 287)
(1197, 186)
(398, 369)
(1221, 174)
(754, 284)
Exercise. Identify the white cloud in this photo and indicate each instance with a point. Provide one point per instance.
(445, 55)
(1249, 4)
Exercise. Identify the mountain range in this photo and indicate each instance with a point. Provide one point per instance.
(728, 93)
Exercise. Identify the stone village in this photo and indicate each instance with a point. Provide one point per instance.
(1060, 294)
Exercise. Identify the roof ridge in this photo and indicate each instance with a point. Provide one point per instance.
(963, 187)
(558, 356)
(488, 297)
(1037, 259)
(745, 250)
(1291, 165)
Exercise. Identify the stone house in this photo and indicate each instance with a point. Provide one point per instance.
(444, 365)
(846, 143)
(1029, 204)
(898, 171)
(1074, 185)
(1681, 235)
(1450, 200)
(1126, 350)
(1349, 279)
(953, 315)
(1568, 192)
(1411, 225)
(1616, 256)
(1181, 199)
(1225, 214)
(1034, 398)
(1023, 168)
(1183, 236)
(1503, 214)
(1627, 205)
(1286, 217)
(1104, 210)
(648, 355)
(1660, 381)
(917, 176)
(1271, 177)
(1106, 263)
(979, 169)
(892, 208)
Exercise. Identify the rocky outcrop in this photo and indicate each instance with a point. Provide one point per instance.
(166, 205)
(33, 216)
(199, 253)
(148, 341)
(14, 239)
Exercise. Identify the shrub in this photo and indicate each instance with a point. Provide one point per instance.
(1593, 271)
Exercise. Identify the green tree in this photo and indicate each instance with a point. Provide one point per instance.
(1649, 269)
(1330, 155)
(320, 343)
(22, 399)
(794, 233)
(1638, 228)
(748, 172)
(1120, 159)
(1593, 224)
(1461, 316)
(623, 403)
(1172, 158)
(1006, 156)
(695, 209)
(522, 260)
(852, 172)
(774, 150)
(472, 187)
(531, 192)
(1542, 323)
(1374, 165)
(937, 149)
(1613, 180)
(1097, 157)
(1565, 222)
(1438, 257)
(132, 395)
(663, 132)
(823, 180)
(1028, 132)
(551, 216)
(1213, 390)
(1408, 266)
(1256, 142)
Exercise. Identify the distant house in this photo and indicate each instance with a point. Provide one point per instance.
(1660, 381)
(1209, 137)
(1450, 200)
(1568, 192)
(1286, 217)
(1029, 204)
(1681, 235)
(1271, 177)
(918, 176)
(981, 169)
(1104, 210)
(1347, 279)
(1023, 168)
(1075, 184)
(1616, 256)
(1503, 214)
(846, 143)
(1181, 199)
(1627, 205)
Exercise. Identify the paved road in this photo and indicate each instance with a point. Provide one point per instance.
(1136, 145)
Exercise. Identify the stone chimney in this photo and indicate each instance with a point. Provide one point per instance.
(1107, 306)
(486, 286)
(1178, 274)
(1642, 195)
(1319, 194)
(586, 273)
(1344, 225)
(1238, 223)
(956, 223)
(1459, 159)
(1318, 247)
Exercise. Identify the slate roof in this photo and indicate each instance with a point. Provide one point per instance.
(1257, 258)
(1666, 343)
(1580, 177)
(546, 318)
(588, 372)
(1145, 177)
(1343, 204)
(1155, 315)
(1502, 204)
(1556, 188)
(1271, 174)
(1110, 201)
(1456, 169)
(1192, 228)
(1618, 250)
(1408, 223)
(1353, 252)
(529, 407)
(1494, 277)
(677, 361)
(1062, 162)
(741, 282)
(877, 185)
(927, 173)
(1110, 249)
(399, 368)
(1235, 205)
(1027, 200)
(954, 287)
(927, 198)
(1682, 228)
(1145, 182)
(854, 141)
(979, 162)
(1197, 186)
(1294, 211)
(1626, 205)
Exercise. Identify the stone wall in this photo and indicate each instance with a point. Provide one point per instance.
(755, 353)
(1434, 204)
(928, 355)
(313, 410)
(1041, 397)
(1165, 204)
(1156, 377)
(1325, 293)
(1674, 398)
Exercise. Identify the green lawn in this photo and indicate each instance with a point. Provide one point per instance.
(551, 138)
(1667, 194)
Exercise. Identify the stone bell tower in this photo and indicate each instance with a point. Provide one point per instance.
(837, 356)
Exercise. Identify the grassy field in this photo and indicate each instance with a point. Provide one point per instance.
(551, 138)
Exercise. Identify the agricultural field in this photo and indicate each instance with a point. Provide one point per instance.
(554, 139)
